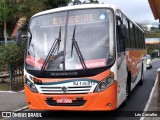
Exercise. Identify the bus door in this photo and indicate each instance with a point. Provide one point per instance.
(121, 64)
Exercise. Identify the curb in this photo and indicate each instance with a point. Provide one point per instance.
(12, 91)
(150, 97)
(21, 109)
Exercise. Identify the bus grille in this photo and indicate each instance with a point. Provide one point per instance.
(74, 103)
(69, 89)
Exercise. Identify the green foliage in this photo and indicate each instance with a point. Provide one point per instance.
(27, 8)
(50, 4)
(4, 15)
(11, 54)
(150, 49)
(153, 34)
(4, 10)
(90, 1)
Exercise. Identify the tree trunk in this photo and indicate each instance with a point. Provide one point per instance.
(5, 32)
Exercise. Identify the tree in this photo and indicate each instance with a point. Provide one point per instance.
(76, 2)
(50, 4)
(12, 10)
(26, 8)
(90, 1)
(4, 16)
(96, 1)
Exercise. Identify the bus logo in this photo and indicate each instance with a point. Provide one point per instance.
(64, 89)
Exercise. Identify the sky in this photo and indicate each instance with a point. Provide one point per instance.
(137, 10)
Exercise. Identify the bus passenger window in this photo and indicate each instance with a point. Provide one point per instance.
(120, 41)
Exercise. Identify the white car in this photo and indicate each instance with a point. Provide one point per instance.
(149, 61)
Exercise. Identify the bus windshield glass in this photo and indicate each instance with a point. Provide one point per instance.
(70, 40)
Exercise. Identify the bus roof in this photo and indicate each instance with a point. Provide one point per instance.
(82, 6)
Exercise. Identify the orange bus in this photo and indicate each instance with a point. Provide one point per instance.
(83, 57)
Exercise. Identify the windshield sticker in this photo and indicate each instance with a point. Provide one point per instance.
(35, 62)
(93, 63)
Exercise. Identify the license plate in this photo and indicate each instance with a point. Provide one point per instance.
(64, 100)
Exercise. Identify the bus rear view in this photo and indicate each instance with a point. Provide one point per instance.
(70, 60)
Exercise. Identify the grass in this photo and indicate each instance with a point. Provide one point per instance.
(3, 67)
(5, 86)
(16, 85)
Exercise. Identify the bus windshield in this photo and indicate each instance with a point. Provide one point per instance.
(70, 40)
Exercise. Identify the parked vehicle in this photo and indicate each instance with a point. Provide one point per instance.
(149, 61)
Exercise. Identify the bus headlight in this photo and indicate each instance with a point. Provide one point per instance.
(31, 85)
(104, 84)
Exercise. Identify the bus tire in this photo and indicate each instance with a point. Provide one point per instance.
(128, 90)
(142, 77)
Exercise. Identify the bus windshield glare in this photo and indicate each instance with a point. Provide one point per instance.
(70, 40)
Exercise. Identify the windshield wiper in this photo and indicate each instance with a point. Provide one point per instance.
(75, 45)
(54, 48)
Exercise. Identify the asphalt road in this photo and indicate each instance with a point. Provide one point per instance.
(137, 102)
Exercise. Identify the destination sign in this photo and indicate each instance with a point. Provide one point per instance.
(77, 19)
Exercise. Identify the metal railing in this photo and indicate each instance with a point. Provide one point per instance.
(11, 77)
(8, 42)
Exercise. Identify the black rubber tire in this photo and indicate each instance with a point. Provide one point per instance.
(128, 90)
(142, 78)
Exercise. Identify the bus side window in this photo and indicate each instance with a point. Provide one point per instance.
(120, 41)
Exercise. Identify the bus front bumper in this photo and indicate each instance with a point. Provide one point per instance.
(96, 101)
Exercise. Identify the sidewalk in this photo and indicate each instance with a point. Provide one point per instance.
(152, 102)
(11, 101)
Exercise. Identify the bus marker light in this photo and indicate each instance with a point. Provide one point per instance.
(109, 104)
